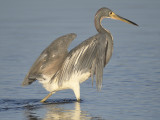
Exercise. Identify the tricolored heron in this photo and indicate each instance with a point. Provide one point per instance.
(57, 69)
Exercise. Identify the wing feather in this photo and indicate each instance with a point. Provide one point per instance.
(50, 60)
(89, 56)
(100, 60)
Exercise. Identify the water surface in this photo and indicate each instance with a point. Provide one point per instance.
(131, 81)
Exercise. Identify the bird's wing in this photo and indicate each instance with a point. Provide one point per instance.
(89, 56)
(50, 59)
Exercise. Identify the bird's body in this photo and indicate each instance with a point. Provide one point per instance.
(56, 69)
(78, 65)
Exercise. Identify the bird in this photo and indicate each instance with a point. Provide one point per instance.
(58, 69)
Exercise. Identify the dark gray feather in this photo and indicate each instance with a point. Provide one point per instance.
(90, 56)
(50, 60)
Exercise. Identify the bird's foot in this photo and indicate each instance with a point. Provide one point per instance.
(79, 100)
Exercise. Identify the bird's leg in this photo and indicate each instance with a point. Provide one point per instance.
(45, 98)
(76, 90)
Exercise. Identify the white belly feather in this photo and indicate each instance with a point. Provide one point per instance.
(68, 84)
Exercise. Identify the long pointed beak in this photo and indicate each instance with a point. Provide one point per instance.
(117, 17)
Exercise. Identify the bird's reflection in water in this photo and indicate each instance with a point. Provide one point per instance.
(61, 113)
(56, 111)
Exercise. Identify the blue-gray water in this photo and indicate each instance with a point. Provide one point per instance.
(131, 84)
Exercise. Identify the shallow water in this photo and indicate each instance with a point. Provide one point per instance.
(131, 81)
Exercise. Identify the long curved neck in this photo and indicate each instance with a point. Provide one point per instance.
(98, 25)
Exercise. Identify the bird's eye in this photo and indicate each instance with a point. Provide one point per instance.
(110, 13)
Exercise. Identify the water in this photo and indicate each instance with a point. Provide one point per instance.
(131, 85)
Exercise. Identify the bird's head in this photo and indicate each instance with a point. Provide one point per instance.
(107, 13)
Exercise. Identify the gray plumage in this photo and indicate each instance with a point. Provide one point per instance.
(91, 55)
(50, 60)
(56, 69)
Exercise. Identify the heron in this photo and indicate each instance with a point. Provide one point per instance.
(58, 69)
